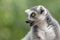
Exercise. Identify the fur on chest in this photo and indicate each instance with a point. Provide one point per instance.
(46, 34)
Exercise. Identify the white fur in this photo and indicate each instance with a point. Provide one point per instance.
(28, 11)
(44, 32)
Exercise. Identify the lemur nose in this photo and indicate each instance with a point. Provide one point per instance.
(28, 21)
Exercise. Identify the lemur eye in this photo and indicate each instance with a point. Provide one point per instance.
(33, 14)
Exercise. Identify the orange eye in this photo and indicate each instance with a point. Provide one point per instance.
(33, 15)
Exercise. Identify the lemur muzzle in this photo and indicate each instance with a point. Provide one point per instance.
(29, 21)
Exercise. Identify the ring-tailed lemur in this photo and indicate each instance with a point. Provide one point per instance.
(43, 25)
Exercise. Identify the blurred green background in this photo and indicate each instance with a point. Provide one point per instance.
(12, 16)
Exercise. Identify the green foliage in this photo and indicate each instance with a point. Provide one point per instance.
(12, 16)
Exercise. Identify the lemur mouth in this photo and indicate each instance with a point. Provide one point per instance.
(30, 22)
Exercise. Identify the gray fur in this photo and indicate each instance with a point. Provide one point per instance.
(52, 21)
(33, 33)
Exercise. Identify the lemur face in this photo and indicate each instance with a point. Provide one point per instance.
(36, 13)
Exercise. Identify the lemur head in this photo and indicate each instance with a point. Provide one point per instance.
(36, 13)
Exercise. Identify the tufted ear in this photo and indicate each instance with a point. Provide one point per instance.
(42, 10)
(28, 11)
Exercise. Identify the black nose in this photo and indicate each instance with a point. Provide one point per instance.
(27, 21)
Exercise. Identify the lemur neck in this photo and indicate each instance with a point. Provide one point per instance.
(42, 25)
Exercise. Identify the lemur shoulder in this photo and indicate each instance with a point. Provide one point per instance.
(43, 25)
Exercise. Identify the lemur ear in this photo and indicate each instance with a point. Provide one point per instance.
(42, 9)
